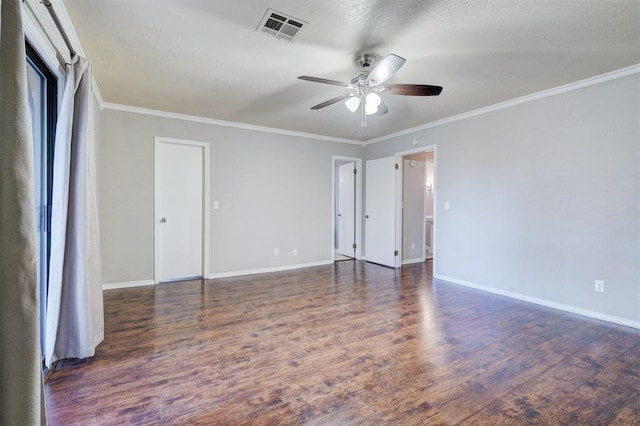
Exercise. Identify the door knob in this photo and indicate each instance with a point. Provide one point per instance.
(366, 216)
(163, 220)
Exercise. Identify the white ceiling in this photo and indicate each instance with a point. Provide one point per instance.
(205, 58)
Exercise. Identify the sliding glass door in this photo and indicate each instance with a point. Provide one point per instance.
(42, 103)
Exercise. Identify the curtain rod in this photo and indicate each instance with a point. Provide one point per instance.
(49, 6)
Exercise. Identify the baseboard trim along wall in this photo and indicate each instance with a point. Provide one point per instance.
(408, 261)
(543, 302)
(269, 269)
(142, 283)
(127, 284)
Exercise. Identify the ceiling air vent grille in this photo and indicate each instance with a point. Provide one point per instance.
(280, 25)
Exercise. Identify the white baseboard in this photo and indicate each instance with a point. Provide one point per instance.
(543, 302)
(408, 261)
(127, 284)
(142, 283)
(269, 269)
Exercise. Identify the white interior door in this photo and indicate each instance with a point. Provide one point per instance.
(346, 209)
(380, 216)
(180, 182)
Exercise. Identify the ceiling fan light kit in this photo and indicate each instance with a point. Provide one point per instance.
(372, 102)
(365, 88)
(353, 103)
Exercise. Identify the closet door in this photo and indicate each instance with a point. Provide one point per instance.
(180, 210)
(380, 216)
(346, 209)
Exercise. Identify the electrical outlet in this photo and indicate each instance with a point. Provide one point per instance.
(295, 252)
(276, 252)
(599, 286)
(413, 246)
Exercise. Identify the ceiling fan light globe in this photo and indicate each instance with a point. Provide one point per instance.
(372, 103)
(370, 110)
(352, 103)
(374, 100)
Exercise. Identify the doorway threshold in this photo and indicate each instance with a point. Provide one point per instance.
(340, 258)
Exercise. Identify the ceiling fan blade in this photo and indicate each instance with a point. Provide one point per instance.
(413, 89)
(331, 102)
(324, 81)
(383, 70)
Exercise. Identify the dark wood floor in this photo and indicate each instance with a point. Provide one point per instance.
(350, 343)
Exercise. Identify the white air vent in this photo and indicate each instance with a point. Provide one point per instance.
(280, 25)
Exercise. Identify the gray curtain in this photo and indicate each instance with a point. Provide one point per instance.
(75, 320)
(21, 389)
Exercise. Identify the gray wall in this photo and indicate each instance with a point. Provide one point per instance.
(274, 191)
(544, 197)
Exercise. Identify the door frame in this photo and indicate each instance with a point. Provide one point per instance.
(205, 203)
(399, 158)
(358, 207)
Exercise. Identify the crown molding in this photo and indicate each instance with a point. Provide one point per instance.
(623, 72)
(204, 120)
(633, 69)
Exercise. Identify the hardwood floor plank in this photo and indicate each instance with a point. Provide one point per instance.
(349, 343)
(630, 414)
(530, 399)
(598, 401)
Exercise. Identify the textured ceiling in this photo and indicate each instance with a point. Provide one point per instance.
(205, 58)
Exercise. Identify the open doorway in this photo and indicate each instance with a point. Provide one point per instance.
(416, 205)
(346, 229)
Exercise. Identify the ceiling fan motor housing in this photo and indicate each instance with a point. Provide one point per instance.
(365, 60)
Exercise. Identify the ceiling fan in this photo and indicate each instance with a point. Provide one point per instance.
(365, 88)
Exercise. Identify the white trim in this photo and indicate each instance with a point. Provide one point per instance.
(633, 69)
(399, 209)
(358, 211)
(42, 42)
(409, 261)
(544, 302)
(418, 151)
(36, 35)
(205, 203)
(127, 284)
(196, 119)
(96, 93)
(266, 270)
(400, 155)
